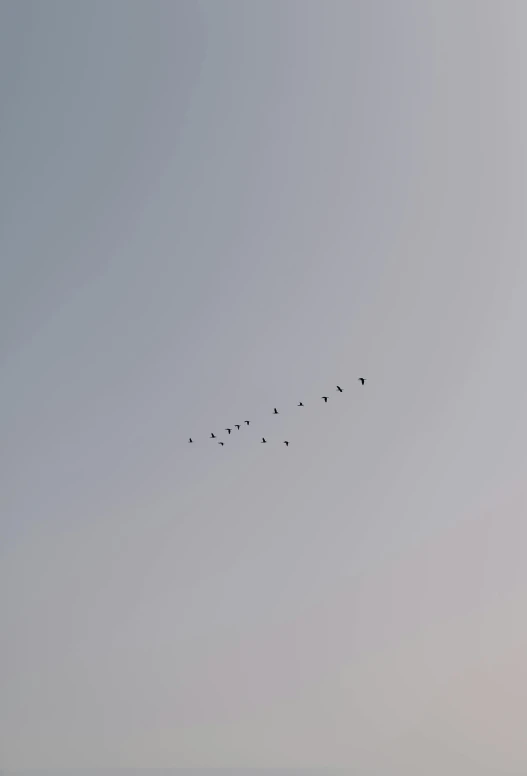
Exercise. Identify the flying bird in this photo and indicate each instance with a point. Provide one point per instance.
(229, 430)
(190, 440)
(325, 398)
(264, 440)
(212, 436)
(362, 380)
(339, 389)
(237, 425)
(300, 405)
(286, 444)
(247, 421)
(275, 411)
(221, 443)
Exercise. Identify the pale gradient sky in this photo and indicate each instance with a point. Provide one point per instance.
(209, 209)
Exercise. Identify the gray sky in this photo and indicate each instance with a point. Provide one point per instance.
(209, 209)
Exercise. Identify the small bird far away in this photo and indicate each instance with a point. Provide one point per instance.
(286, 444)
(228, 430)
(237, 425)
(190, 439)
(247, 421)
(300, 405)
(325, 398)
(339, 389)
(275, 411)
(362, 380)
(264, 440)
(212, 436)
(221, 443)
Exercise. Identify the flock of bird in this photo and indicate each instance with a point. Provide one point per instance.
(238, 426)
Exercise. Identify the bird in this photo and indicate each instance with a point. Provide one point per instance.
(228, 430)
(362, 380)
(212, 436)
(221, 443)
(275, 411)
(264, 440)
(300, 405)
(237, 425)
(286, 444)
(339, 389)
(247, 421)
(325, 398)
(190, 440)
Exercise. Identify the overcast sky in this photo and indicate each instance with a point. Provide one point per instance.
(207, 210)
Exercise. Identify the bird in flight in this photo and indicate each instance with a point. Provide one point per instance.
(247, 421)
(286, 444)
(275, 411)
(190, 440)
(237, 425)
(300, 405)
(221, 443)
(264, 440)
(339, 389)
(362, 380)
(212, 436)
(325, 399)
(228, 430)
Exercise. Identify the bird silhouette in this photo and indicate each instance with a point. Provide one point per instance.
(228, 430)
(237, 425)
(212, 436)
(221, 443)
(264, 440)
(339, 389)
(275, 411)
(247, 421)
(325, 398)
(286, 444)
(362, 380)
(190, 440)
(300, 405)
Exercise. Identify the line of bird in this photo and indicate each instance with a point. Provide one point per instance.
(238, 426)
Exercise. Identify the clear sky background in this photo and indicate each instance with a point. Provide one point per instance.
(208, 209)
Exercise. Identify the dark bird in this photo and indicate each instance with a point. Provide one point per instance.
(221, 443)
(264, 440)
(228, 430)
(275, 411)
(247, 421)
(325, 398)
(362, 380)
(212, 436)
(286, 444)
(237, 425)
(339, 389)
(300, 405)
(190, 439)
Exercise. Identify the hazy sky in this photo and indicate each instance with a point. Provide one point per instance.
(208, 209)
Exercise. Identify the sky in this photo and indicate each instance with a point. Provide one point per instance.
(207, 210)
